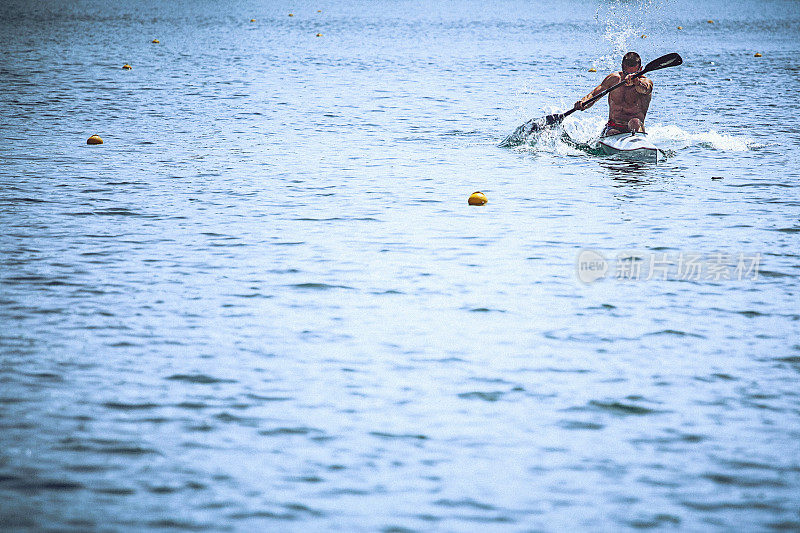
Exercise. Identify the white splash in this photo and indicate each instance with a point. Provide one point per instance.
(585, 130)
(679, 138)
(625, 24)
(619, 39)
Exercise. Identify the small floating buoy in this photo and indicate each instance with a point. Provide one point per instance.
(155, 41)
(680, 27)
(291, 14)
(477, 198)
(94, 139)
(592, 69)
(252, 20)
(319, 35)
(644, 36)
(710, 21)
(126, 66)
(319, 11)
(757, 54)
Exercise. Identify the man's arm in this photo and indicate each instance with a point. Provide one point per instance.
(610, 80)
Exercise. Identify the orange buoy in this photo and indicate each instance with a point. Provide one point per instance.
(155, 41)
(680, 27)
(126, 66)
(592, 69)
(94, 139)
(477, 198)
(757, 54)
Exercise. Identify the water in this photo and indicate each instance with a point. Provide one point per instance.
(263, 302)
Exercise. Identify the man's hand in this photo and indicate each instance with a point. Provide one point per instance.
(579, 105)
(629, 79)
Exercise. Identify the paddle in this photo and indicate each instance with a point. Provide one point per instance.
(669, 60)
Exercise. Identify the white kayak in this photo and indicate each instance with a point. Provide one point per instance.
(630, 146)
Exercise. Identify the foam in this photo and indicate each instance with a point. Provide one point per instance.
(706, 139)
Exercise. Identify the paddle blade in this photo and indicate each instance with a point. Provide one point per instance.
(669, 60)
(553, 119)
(521, 134)
(542, 123)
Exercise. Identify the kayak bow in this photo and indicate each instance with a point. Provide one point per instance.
(630, 146)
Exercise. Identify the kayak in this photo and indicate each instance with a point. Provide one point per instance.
(630, 146)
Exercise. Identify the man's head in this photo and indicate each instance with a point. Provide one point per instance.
(631, 62)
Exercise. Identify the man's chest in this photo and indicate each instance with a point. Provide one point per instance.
(625, 96)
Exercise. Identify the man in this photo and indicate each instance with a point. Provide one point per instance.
(627, 105)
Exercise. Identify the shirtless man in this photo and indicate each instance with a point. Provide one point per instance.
(627, 105)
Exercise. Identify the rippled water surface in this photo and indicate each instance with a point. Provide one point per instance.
(264, 303)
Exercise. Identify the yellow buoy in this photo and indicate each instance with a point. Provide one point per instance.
(291, 14)
(680, 27)
(94, 139)
(127, 66)
(319, 35)
(477, 198)
(644, 36)
(155, 41)
(757, 54)
(252, 20)
(710, 21)
(319, 11)
(592, 69)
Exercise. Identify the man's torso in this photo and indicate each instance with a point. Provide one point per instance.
(626, 103)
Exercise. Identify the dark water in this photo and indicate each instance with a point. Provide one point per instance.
(263, 302)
